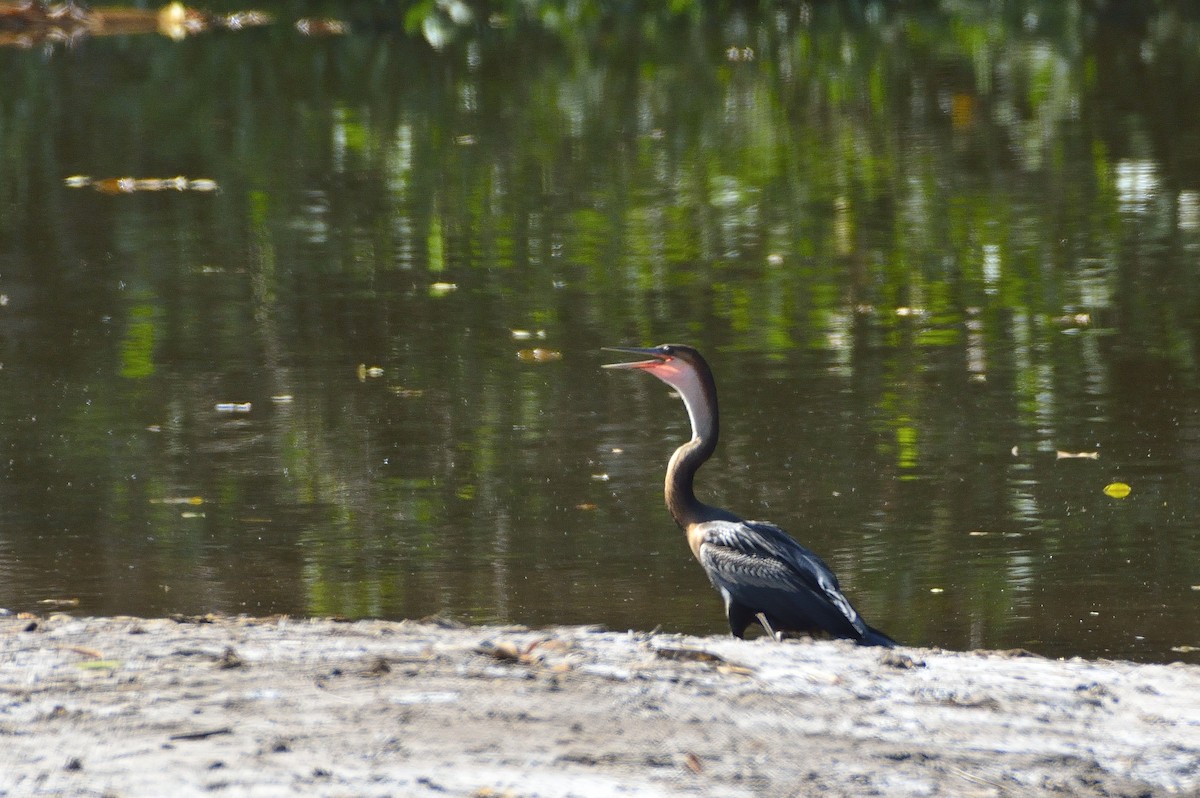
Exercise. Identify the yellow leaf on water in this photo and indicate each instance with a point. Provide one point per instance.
(538, 355)
(1117, 490)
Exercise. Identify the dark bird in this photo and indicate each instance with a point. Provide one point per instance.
(760, 571)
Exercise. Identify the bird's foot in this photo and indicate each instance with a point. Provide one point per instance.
(776, 636)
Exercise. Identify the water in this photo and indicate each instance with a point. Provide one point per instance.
(944, 267)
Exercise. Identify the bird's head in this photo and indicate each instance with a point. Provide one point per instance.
(671, 363)
(681, 367)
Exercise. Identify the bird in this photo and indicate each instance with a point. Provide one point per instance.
(762, 573)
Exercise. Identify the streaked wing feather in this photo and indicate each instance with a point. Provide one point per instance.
(766, 569)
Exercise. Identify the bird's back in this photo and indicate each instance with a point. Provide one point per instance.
(761, 568)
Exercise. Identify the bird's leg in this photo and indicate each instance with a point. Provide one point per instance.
(776, 636)
(739, 616)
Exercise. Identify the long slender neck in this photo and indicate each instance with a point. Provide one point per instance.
(681, 470)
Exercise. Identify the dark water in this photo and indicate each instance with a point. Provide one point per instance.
(927, 252)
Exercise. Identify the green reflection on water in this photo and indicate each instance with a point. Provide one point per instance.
(926, 249)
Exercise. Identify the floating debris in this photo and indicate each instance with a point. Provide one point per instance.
(525, 335)
(1074, 320)
(282, 399)
(937, 590)
(232, 407)
(59, 602)
(240, 20)
(364, 372)
(33, 24)
(1077, 455)
(130, 185)
(407, 393)
(315, 26)
(441, 289)
(1117, 490)
(115, 185)
(538, 355)
(192, 500)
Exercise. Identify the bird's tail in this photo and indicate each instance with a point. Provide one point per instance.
(874, 637)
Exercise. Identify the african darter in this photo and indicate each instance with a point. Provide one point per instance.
(761, 572)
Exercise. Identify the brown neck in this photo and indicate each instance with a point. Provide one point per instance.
(681, 471)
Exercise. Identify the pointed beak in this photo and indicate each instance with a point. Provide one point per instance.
(656, 358)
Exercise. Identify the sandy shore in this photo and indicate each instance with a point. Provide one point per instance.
(266, 707)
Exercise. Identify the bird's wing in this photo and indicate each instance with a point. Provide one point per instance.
(764, 568)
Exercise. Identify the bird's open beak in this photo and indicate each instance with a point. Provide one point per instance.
(656, 358)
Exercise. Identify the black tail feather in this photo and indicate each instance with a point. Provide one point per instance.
(874, 637)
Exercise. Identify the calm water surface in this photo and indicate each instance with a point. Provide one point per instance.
(945, 267)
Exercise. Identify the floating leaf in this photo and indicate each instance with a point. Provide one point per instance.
(129, 185)
(57, 602)
(538, 355)
(1117, 490)
(313, 26)
(441, 289)
(115, 185)
(364, 371)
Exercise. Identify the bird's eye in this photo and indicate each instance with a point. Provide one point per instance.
(666, 349)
